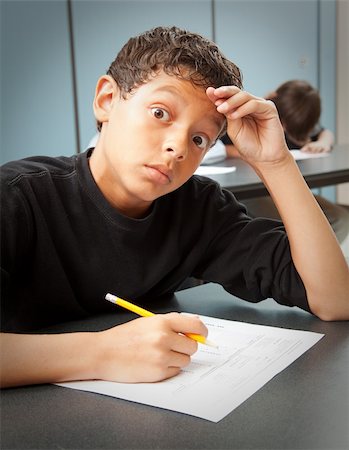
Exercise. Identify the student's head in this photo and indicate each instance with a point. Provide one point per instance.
(299, 107)
(175, 51)
(156, 121)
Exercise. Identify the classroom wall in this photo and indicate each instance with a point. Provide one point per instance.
(37, 111)
(53, 51)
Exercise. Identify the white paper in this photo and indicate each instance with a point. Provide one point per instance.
(213, 170)
(217, 380)
(297, 154)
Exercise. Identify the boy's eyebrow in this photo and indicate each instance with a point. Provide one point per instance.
(171, 90)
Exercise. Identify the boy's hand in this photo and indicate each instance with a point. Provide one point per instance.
(316, 147)
(147, 349)
(252, 124)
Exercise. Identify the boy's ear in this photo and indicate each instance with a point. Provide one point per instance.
(105, 94)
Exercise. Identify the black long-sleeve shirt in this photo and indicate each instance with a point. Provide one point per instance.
(63, 246)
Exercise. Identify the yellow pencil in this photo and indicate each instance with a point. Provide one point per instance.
(145, 313)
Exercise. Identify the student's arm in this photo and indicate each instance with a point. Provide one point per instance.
(232, 151)
(323, 143)
(255, 129)
(142, 350)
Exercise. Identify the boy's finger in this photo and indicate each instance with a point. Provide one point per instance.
(178, 360)
(235, 101)
(226, 91)
(182, 323)
(183, 344)
(221, 93)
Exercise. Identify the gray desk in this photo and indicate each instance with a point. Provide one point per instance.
(304, 407)
(318, 172)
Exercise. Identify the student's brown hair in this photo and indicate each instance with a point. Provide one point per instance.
(175, 51)
(299, 107)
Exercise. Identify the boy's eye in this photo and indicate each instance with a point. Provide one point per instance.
(160, 114)
(200, 142)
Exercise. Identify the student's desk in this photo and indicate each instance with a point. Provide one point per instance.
(318, 172)
(306, 406)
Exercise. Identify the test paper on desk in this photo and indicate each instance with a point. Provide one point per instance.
(217, 380)
(214, 170)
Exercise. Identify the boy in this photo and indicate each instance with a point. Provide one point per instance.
(299, 107)
(129, 218)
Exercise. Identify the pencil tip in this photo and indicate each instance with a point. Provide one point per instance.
(211, 344)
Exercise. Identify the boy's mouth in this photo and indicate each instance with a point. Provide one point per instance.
(160, 173)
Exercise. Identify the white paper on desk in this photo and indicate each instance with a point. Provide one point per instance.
(297, 154)
(214, 170)
(217, 380)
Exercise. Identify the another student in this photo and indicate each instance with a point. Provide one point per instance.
(299, 107)
(129, 218)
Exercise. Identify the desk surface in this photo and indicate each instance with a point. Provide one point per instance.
(306, 406)
(318, 172)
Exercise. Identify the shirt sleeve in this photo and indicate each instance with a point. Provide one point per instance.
(226, 140)
(251, 258)
(14, 245)
(314, 135)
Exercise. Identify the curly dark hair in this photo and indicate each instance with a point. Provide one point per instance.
(175, 51)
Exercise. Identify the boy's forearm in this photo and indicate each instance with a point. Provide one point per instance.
(314, 247)
(326, 137)
(232, 151)
(35, 359)
(146, 349)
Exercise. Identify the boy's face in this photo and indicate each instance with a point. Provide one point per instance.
(153, 141)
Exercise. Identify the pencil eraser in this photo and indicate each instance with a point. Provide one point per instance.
(110, 298)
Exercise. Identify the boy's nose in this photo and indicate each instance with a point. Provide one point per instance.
(178, 147)
(177, 153)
